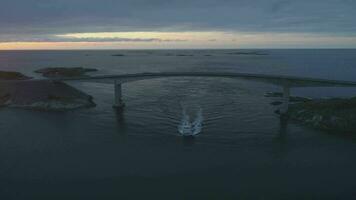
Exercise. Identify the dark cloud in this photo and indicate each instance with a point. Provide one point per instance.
(41, 17)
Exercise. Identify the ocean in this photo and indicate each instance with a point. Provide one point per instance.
(243, 150)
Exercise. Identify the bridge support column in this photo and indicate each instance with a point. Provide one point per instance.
(119, 104)
(286, 97)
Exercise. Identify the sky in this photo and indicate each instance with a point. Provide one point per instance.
(183, 24)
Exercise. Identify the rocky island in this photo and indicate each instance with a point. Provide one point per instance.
(17, 91)
(62, 72)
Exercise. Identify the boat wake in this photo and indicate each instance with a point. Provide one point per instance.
(188, 128)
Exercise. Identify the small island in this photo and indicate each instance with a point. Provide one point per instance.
(248, 53)
(185, 55)
(62, 72)
(118, 55)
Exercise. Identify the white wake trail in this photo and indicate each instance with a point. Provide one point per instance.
(187, 128)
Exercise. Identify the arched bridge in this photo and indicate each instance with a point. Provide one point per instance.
(286, 82)
(291, 81)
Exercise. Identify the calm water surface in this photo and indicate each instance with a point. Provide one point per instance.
(244, 150)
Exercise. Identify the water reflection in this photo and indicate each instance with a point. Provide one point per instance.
(283, 125)
(281, 146)
(188, 141)
(121, 123)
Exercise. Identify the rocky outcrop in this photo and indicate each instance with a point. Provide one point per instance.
(43, 95)
(62, 72)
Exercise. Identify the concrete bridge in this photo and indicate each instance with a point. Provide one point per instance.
(285, 82)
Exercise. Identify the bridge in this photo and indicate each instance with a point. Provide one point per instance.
(285, 82)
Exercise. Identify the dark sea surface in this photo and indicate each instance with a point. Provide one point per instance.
(243, 152)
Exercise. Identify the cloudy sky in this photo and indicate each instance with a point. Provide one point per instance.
(147, 24)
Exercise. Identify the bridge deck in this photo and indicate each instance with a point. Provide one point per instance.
(291, 81)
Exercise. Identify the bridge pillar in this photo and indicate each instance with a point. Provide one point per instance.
(286, 98)
(118, 96)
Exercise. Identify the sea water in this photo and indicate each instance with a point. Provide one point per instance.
(243, 150)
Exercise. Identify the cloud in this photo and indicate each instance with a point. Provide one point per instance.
(39, 20)
(63, 16)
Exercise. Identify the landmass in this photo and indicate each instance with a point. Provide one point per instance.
(7, 75)
(184, 55)
(179, 55)
(256, 53)
(43, 95)
(334, 115)
(62, 72)
(17, 91)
